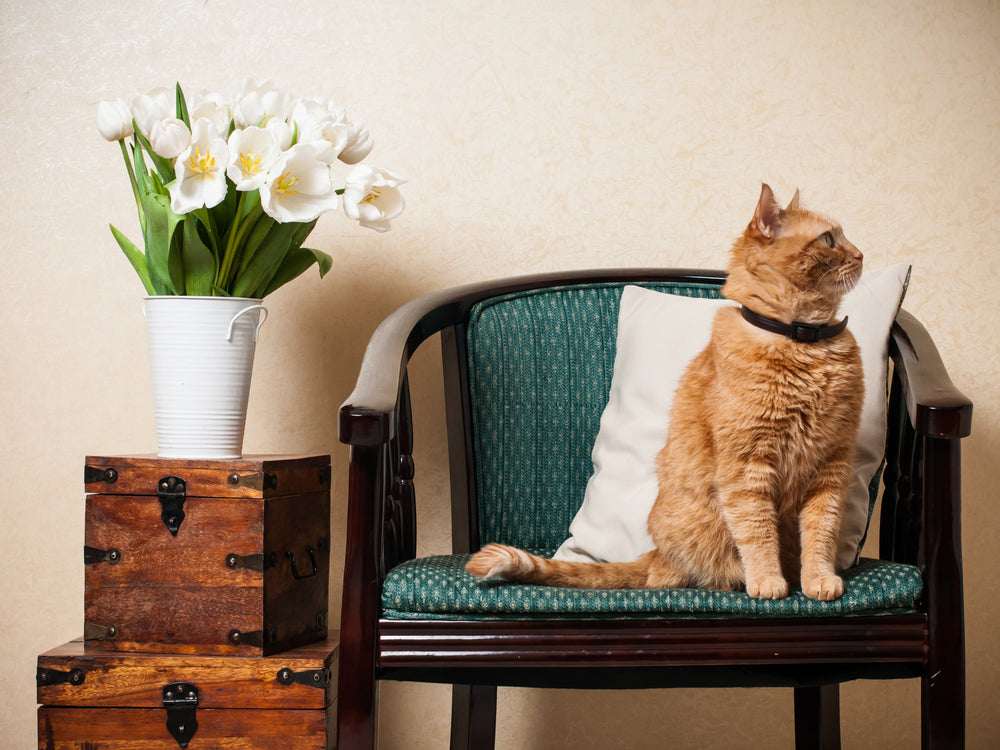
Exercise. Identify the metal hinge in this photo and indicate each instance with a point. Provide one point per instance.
(180, 699)
(93, 474)
(257, 638)
(94, 555)
(171, 491)
(259, 562)
(317, 678)
(259, 481)
(45, 677)
(93, 631)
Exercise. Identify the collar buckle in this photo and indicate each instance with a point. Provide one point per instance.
(806, 332)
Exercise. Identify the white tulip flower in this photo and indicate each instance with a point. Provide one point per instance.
(252, 152)
(319, 123)
(281, 131)
(148, 109)
(169, 137)
(200, 171)
(298, 187)
(329, 138)
(372, 197)
(359, 144)
(258, 105)
(308, 111)
(114, 120)
(214, 107)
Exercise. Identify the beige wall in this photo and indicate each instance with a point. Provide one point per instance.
(536, 135)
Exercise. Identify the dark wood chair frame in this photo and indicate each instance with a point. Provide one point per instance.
(920, 524)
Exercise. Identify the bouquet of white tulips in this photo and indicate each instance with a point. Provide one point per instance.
(227, 192)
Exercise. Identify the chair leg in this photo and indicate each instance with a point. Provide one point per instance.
(943, 709)
(473, 717)
(357, 703)
(817, 717)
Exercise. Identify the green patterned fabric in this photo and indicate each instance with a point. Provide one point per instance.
(439, 588)
(540, 367)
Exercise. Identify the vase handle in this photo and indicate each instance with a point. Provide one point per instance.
(237, 316)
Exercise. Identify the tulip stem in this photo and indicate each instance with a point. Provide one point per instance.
(237, 231)
(131, 178)
(227, 258)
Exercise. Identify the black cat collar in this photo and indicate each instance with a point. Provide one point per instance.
(796, 331)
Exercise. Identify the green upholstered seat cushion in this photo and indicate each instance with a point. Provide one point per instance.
(439, 588)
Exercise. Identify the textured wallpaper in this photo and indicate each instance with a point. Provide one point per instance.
(535, 136)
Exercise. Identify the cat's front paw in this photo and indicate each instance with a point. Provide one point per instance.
(824, 588)
(767, 587)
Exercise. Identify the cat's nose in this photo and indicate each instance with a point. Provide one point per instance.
(858, 255)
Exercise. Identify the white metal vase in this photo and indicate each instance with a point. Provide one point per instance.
(201, 351)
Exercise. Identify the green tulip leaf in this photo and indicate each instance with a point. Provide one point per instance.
(163, 256)
(267, 258)
(164, 167)
(199, 261)
(302, 231)
(135, 257)
(182, 110)
(297, 262)
(141, 172)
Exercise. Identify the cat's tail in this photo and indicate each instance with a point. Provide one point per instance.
(516, 565)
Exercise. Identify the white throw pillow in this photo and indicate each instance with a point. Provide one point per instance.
(658, 335)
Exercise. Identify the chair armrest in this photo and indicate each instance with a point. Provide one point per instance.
(922, 502)
(936, 407)
(367, 417)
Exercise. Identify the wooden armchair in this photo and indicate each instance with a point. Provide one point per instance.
(427, 620)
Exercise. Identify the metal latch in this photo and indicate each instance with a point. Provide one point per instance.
(180, 699)
(318, 678)
(172, 493)
(58, 677)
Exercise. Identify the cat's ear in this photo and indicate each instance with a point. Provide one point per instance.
(794, 203)
(767, 218)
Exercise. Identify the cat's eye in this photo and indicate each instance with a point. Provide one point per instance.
(827, 239)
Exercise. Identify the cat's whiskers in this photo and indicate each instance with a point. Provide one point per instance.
(831, 269)
(848, 279)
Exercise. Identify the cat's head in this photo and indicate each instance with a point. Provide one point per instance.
(791, 263)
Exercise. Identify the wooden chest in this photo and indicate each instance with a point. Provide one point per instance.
(208, 557)
(117, 700)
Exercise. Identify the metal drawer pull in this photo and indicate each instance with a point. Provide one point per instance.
(312, 558)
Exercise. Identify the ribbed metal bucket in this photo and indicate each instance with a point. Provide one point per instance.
(201, 350)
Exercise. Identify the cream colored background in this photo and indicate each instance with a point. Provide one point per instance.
(536, 136)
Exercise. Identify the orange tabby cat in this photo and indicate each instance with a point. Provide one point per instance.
(755, 469)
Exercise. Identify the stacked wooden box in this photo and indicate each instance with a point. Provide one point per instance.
(206, 597)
